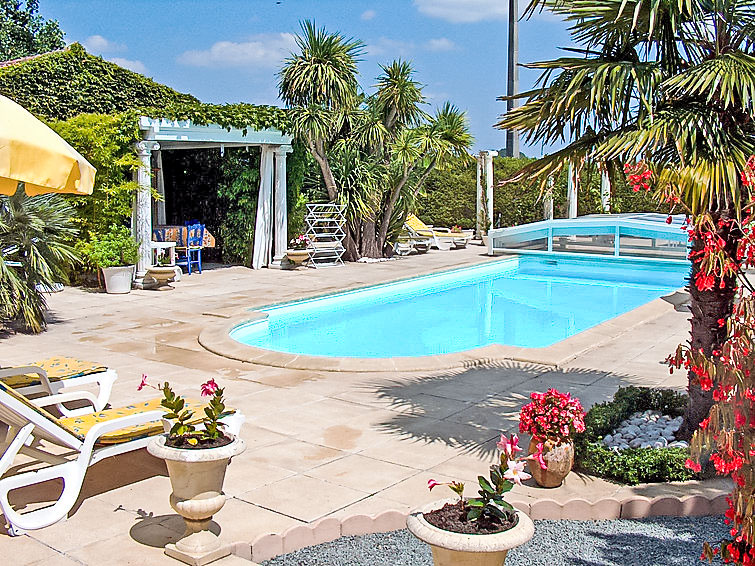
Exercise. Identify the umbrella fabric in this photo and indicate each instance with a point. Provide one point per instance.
(30, 152)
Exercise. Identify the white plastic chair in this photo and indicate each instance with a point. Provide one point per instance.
(30, 423)
(34, 380)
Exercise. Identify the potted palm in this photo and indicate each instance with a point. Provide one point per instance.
(197, 459)
(115, 253)
(478, 530)
(552, 418)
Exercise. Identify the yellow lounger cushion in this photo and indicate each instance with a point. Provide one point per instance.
(80, 425)
(424, 230)
(57, 368)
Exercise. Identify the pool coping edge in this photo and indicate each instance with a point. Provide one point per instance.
(215, 337)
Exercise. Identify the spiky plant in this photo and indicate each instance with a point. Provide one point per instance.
(668, 81)
(35, 254)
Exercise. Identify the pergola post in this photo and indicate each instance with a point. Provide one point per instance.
(478, 217)
(489, 155)
(605, 189)
(572, 190)
(143, 214)
(548, 201)
(160, 188)
(280, 236)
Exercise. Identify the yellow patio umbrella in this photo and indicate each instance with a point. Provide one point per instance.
(30, 152)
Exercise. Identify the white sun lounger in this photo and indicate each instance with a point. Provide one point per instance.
(92, 437)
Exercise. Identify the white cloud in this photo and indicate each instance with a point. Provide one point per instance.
(131, 64)
(392, 47)
(467, 11)
(99, 44)
(262, 51)
(368, 15)
(440, 44)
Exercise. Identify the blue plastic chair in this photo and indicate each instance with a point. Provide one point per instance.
(191, 253)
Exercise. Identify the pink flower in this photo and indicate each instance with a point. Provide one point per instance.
(538, 456)
(209, 388)
(143, 382)
(508, 447)
(432, 483)
(516, 472)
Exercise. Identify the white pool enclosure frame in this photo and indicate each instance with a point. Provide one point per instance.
(645, 235)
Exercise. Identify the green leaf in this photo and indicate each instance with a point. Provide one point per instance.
(474, 513)
(485, 484)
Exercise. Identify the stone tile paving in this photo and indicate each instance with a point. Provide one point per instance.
(319, 444)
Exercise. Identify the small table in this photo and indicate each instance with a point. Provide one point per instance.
(170, 246)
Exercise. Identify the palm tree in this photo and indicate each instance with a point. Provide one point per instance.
(668, 81)
(34, 254)
(320, 86)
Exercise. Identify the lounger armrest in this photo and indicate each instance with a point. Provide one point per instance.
(79, 395)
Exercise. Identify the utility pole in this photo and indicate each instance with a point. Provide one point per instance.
(512, 136)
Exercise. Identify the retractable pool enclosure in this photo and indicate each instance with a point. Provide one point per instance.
(646, 235)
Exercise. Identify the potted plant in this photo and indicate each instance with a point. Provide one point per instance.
(297, 249)
(478, 530)
(196, 459)
(115, 253)
(552, 418)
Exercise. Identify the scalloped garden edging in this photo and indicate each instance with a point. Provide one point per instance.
(270, 545)
(633, 465)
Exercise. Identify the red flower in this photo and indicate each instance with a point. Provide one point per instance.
(143, 382)
(209, 388)
(692, 465)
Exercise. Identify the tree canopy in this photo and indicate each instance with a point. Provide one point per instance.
(24, 32)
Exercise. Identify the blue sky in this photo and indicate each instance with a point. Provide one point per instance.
(230, 51)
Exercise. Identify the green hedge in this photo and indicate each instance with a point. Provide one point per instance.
(633, 465)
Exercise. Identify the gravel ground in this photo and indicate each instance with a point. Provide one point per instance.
(658, 541)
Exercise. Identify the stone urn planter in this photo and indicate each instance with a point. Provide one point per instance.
(118, 279)
(456, 549)
(297, 257)
(196, 477)
(559, 459)
(163, 275)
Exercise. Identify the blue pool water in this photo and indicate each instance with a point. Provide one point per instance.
(521, 301)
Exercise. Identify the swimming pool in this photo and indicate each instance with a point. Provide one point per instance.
(521, 301)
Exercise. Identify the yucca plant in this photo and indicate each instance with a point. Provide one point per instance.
(670, 82)
(35, 254)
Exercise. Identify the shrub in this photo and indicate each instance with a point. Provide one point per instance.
(633, 465)
(116, 247)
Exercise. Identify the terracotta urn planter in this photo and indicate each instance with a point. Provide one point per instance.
(559, 459)
(196, 477)
(297, 257)
(456, 549)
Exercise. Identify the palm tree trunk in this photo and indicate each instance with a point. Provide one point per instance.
(371, 239)
(317, 149)
(707, 334)
(351, 243)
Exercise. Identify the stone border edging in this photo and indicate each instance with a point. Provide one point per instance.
(328, 529)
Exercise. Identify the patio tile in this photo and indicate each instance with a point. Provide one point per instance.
(26, 550)
(248, 473)
(372, 505)
(362, 473)
(294, 455)
(303, 498)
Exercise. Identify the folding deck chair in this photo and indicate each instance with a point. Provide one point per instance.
(442, 238)
(93, 437)
(49, 376)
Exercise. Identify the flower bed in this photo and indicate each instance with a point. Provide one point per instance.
(633, 465)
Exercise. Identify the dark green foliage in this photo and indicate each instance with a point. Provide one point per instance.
(449, 196)
(66, 83)
(238, 193)
(490, 502)
(633, 465)
(24, 32)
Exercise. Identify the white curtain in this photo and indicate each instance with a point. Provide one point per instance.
(263, 230)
